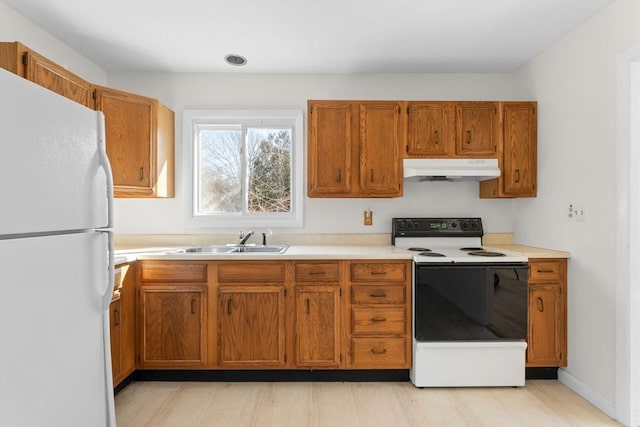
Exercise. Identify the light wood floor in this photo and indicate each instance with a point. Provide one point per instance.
(336, 404)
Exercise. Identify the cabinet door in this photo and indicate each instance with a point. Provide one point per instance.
(127, 321)
(545, 329)
(317, 326)
(380, 132)
(115, 316)
(329, 143)
(477, 132)
(430, 129)
(130, 122)
(520, 149)
(172, 326)
(251, 326)
(47, 74)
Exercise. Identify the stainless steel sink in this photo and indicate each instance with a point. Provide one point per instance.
(262, 249)
(208, 250)
(236, 249)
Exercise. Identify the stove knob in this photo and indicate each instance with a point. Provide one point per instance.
(454, 225)
(465, 225)
(474, 225)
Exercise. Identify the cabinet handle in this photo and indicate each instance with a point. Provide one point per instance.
(308, 306)
(540, 305)
(193, 306)
(317, 273)
(376, 351)
(517, 175)
(377, 295)
(378, 273)
(378, 319)
(142, 174)
(468, 137)
(437, 137)
(116, 317)
(371, 180)
(229, 306)
(544, 271)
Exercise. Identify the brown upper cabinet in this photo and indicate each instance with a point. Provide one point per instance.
(354, 148)
(139, 130)
(517, 153)
(477, 129)
(140, 140)
(21, 60)
(452, 129)
(431, 129)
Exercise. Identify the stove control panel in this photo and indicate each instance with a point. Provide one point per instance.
(436, 227)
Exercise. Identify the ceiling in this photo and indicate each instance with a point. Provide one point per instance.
(310, 36)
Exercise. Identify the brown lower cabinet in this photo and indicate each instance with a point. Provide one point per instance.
(547, 335)
(315, 314)
(274, 314)
(122, 324)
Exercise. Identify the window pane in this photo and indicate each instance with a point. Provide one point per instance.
(269, 166)
(220, 168)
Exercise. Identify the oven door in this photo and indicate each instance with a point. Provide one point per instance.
(470, 302)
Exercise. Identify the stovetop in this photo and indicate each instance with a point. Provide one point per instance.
(447, 240)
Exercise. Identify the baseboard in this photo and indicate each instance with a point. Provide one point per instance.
(587, 393)
(364, 375)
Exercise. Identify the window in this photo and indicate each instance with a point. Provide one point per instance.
(244, 168)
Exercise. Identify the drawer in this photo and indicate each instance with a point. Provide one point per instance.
(378, 272)
(378, 321)
(173, 272)
(367, 294)
(378, 352)
(317, 272)
(250, 272)
(545, 270)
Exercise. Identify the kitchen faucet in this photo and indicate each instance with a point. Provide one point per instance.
(244, 237)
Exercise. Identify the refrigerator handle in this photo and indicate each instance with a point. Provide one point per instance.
(104, 163)
(106, 301)
(111, 276)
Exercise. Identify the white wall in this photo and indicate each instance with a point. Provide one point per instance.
(574, 83)
(229, 91)
(15, 27)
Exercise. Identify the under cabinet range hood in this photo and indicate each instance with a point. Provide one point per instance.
(450, 169)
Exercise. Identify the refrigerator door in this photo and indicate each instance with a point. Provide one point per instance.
(52, 173)
(55, 367)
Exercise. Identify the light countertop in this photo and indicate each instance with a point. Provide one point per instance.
(318, 252)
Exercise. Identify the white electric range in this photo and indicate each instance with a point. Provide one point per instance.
(469, 305)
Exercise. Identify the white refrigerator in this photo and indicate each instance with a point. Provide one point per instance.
(56, 261)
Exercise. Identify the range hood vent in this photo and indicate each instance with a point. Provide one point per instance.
(450, 169)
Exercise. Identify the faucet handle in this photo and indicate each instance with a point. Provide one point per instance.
(241, 235)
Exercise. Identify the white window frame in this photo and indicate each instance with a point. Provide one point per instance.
(276, 118)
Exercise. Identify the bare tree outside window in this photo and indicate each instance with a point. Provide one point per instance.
(267, 169)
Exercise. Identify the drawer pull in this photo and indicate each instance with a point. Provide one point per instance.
(378, 319)
(317, 273)
(376, 351)
(545, 271)
(378, 273)
(378, 295)
(540, 304)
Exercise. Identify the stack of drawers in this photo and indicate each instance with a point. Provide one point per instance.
(380, 314)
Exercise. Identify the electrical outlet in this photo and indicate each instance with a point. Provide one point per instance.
(368, 217)
(577, 212)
